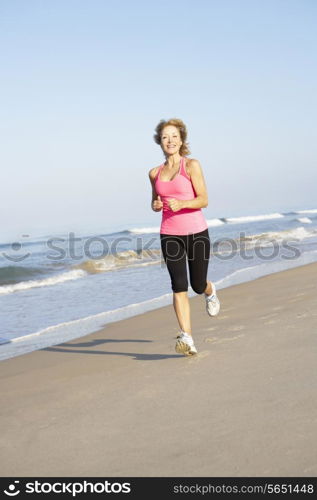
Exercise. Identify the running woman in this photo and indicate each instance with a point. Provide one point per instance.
(179, 191)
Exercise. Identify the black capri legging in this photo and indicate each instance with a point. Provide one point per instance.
(197, 249)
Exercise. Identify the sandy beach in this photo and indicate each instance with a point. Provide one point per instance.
(121, 402)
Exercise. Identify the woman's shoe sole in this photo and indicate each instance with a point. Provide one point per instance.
(183, 348)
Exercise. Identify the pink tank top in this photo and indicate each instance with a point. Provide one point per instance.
(187, 220)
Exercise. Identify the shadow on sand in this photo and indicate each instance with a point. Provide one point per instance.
(80, 349)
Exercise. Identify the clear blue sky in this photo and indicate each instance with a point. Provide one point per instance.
(84, 83)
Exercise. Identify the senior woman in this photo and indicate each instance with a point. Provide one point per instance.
(179, 191)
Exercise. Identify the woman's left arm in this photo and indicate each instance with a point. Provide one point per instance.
(199, 185)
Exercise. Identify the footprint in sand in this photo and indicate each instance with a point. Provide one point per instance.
(236, 328)
(269, 316)
(294, 299)
(271, 322)
(228, 339)
(198, 356)
(217, 340)
(301, 315)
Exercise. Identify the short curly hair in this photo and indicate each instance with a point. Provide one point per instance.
(180, 125)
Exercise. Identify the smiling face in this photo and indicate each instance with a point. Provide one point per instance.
(170, 140)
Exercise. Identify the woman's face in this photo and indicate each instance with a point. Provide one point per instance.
(170, 140)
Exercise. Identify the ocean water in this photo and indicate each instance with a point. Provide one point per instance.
(60, 287)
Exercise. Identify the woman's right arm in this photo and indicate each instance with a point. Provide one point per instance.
(156, 203)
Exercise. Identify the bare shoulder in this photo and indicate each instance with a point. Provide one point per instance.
(192, 166)
(153, 172)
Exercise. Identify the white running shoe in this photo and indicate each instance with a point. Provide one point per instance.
(212, 302)
(185, 344)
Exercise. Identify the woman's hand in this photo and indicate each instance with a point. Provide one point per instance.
(175, 205)
(157, 204)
